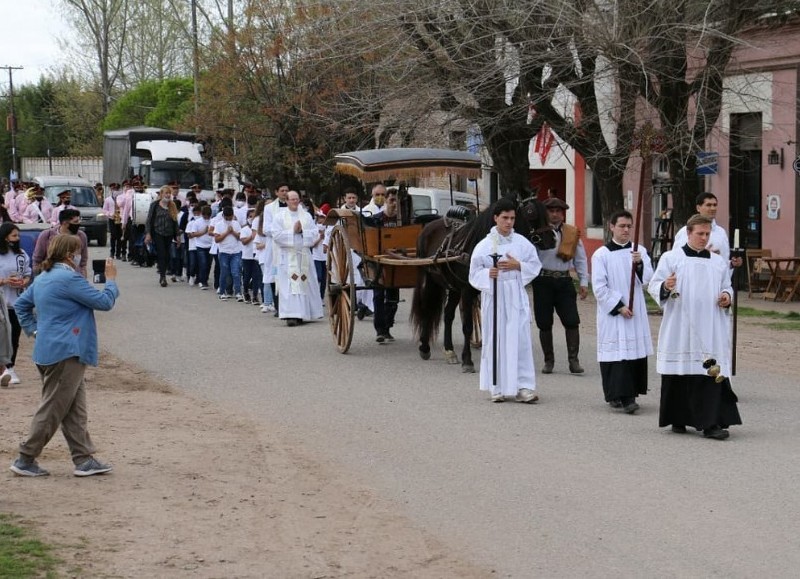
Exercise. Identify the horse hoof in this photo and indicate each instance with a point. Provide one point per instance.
(468, 369)
(450, 357)
(424, 354)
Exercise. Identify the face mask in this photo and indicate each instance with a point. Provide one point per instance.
(14, 245)
(74, 228)
(166, 199)
(76, 261)
(240, 204)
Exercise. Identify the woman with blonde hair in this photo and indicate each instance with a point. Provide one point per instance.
(161, 229)
(57, 309)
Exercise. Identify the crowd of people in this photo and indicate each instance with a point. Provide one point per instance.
(271, 253)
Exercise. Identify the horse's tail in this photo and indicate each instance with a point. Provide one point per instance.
(427, 306)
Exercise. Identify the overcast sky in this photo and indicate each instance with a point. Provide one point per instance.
(30, 29)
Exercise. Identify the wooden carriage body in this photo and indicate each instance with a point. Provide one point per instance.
(386, 256)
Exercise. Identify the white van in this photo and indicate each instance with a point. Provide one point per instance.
(437, 201)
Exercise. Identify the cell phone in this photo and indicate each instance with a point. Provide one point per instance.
(99, 270)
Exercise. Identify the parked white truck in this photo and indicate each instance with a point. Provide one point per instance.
(158, 156)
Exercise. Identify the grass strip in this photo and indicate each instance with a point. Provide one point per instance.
(22, 554)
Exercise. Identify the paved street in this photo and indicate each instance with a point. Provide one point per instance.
(566, 488)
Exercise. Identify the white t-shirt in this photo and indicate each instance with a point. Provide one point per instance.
(240, 215)
(317, 251)
(249, 249)
(231, 243)
(195, 225)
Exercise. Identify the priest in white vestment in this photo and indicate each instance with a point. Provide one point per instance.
(693, 287)
(623, 330)
(293, 233)
(518, 265)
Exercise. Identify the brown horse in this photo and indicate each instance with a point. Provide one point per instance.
(441, 288)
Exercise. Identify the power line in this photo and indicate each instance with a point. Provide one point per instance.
(11, 120)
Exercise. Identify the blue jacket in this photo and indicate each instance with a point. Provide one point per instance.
(64, 318)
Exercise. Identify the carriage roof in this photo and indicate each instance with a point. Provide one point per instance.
(403, 163)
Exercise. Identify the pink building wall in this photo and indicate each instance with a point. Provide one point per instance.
(772, 59)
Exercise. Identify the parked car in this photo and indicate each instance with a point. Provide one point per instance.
(438, 200)
(93, 223)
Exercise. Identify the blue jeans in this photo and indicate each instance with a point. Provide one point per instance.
(175, 260)
(230, 266)
(203, 265)
(268, 298)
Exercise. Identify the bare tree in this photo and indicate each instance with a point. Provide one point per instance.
(102, 26)
(591, 69)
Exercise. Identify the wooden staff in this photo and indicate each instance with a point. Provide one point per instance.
(638, 222)
(648, 140)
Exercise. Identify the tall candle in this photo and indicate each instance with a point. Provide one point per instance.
(736, 239)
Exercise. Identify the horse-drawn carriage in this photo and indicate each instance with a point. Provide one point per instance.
(385, 256)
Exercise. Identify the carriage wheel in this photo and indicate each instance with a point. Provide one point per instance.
(340, 289)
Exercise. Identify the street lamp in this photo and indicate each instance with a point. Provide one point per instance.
(774, 158)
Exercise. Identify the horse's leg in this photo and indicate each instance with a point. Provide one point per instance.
(453, 298)
(467, 302)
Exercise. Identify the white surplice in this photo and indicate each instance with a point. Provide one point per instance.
(514, 348)
(620, 338)
(296, 278)
(694, 327)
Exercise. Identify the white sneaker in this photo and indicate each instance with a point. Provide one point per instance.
(14, 378)
(267, 309)
(527, 396)
(239, 298)
(498, 398)
(191, 281)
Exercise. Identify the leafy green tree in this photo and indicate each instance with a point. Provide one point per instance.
(163, 104)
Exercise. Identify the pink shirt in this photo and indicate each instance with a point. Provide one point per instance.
(31, 214)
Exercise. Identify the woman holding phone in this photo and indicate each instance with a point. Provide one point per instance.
(58, 311)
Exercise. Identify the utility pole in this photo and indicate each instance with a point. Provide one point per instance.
(11, 121)
(195, 65)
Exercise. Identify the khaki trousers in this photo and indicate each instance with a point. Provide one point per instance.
(63, 404)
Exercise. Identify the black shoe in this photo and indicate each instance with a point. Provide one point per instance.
(291, 322)
(716, 433)
(361, 311)
(615, 404)
(630, 407)
(678, 429)
(123, 258)
(389, 337)
(380, 339)
(163, 281)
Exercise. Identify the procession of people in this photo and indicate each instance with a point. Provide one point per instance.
(271, 253)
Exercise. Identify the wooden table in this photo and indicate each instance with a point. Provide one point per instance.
(785, 277)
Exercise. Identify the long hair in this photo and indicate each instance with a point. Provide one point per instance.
(173, 209)
(5, 231)
(260, 215)
(60, 246)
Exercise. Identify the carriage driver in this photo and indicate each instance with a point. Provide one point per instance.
(554, 289)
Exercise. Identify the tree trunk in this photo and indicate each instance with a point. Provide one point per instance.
(509, 154)
(686, 189)
(608, 178)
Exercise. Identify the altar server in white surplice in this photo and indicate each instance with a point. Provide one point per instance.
(623, 333)
(518, 265)
(293, 234)
(693, 286)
